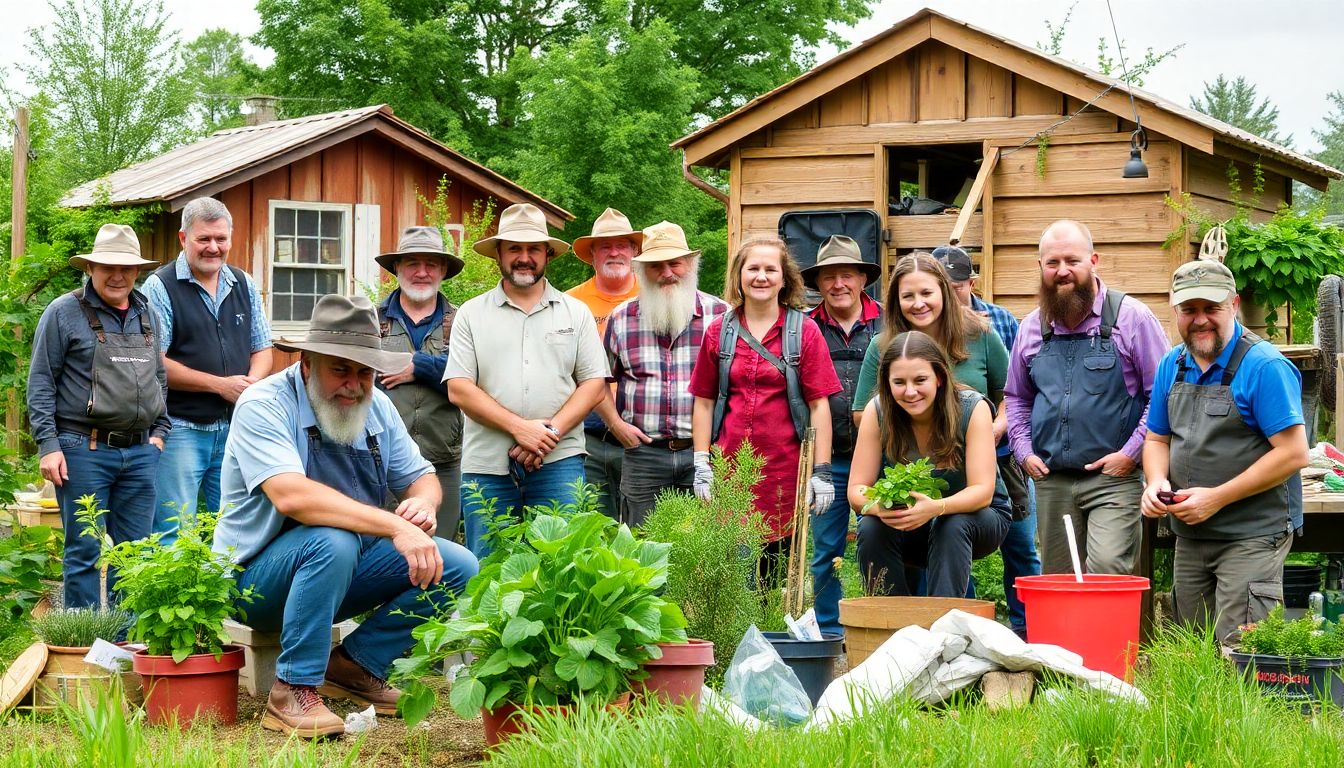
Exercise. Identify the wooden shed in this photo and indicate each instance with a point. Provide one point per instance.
(938, 108)
(313, 199)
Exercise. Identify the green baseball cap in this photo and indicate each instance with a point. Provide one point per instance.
(1208, 280)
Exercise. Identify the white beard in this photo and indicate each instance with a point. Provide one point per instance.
(338, 424)
(417, 295)
(667, 310)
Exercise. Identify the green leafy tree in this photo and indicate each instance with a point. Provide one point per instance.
(1331, 137)
(1235, 102)
(1106, 63)
(220, 74)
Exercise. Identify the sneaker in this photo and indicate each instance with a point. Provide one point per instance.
(297, 709)
(346, 679)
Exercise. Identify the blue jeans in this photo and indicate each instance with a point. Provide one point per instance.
(554, 482)
(602, 467)
(310, 577)
(122, 479)
(1020, 559)
(829, 530)
(188, 474)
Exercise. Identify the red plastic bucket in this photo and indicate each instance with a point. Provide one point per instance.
(1097, 618)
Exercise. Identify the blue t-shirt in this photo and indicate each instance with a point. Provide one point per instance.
(1267, 388)
(268, 437)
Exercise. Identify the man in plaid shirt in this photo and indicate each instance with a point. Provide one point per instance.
(652, 342)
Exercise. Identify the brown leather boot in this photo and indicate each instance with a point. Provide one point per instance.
(346, 679)
(299, 710)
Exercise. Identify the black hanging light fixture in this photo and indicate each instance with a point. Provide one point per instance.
(1138, 141)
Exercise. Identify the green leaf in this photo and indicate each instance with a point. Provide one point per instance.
(519, 566)
(582, 646)
(467, 696)
(511, 602)
(519, 629)
(590, 673)
(493, 664)
(416, 702)
(185, 611)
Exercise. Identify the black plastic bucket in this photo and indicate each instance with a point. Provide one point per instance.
(813, 661)
(1299, 581)
(1305, 681)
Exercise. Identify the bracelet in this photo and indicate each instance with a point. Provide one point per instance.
(943, 511)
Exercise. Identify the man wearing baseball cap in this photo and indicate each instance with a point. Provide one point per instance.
(1225, 442)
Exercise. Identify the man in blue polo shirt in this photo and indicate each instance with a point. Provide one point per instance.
(1225, 443)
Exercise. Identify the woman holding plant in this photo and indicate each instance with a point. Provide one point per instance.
(920, 413)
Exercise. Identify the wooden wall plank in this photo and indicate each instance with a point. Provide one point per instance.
(988, 254)
(1018, 128)
(942, 82)
(1032, 98)
(929, 232)
(305, 178)
(1136, 218)
(340, 166)
(846, 105)
(376, 181)
(272, 186)
(239, 202)
(989, 89)
(892, 95)
(799, 119)
(1208, 176)
(1131, 267)
(801, 179)
(735, 208)
(1084, 169)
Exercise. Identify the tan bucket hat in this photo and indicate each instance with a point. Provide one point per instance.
(520, 223)
(421, 241)
(664, 241)
(116, 246)
(839, 250)
(347, 327)
(612, 223)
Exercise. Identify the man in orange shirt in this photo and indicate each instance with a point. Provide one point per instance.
(610, 249)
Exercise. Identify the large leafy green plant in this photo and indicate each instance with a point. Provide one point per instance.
(1306, 637)
(179, 593)
(893, 489)
(32, 553)
(1281, 261)
(565, 608)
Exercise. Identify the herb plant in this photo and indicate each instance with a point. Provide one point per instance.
(30, 555)
(79, 627)
(893, 489)
(1306, 637)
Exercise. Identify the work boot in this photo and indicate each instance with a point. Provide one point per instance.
(297, 709)
(346, 679)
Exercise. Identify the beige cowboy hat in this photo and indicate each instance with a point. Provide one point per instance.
(612, 223)
(664, 241)
(839, 250)
(347, 327)
(115, 246)
(421, 241)
(520, 223)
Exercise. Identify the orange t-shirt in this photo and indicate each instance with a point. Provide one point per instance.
(599, 303)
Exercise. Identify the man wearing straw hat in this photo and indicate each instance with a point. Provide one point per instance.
(313, 453)
(525, 365)
(849, 319)
(416, 318)
(610, 249)
(652, 342)
(96, 393)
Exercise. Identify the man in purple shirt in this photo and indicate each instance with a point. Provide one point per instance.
(1079, 380)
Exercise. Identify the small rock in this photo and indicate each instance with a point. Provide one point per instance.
(1006, 690)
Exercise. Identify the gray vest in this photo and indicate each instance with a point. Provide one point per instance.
(847, 356)
(1082, 409)
(431, 419)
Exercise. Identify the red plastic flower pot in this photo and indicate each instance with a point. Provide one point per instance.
(679, 675)
(507, 719)
(200, 686)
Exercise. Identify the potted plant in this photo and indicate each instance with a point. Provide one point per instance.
(69, 634)
(566, 609)
(180, 595)
(1300, 660)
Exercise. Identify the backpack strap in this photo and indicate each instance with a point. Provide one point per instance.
(793, 355)
(727, 347)
(1110, 312)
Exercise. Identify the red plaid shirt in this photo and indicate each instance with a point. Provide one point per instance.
(653, 372)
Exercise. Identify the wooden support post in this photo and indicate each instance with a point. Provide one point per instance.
(18, 243)
(973, 198)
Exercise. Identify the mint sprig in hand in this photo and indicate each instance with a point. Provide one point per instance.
(893, 489)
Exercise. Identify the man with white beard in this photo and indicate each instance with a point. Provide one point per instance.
(313, 452)
(652, 342)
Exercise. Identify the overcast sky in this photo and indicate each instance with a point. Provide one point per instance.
(1291, 50)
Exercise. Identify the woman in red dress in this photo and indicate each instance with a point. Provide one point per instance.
(764, 286)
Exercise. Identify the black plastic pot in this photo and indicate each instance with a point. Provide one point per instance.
(1299, 581)
(813, 661)
(1306, 681)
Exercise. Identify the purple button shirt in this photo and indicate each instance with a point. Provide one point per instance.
(1140, 342)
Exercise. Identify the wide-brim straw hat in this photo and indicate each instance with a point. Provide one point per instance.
(837, 251)
(520, 223)
(421, 241)
(115, 246)
(347, 327)
(612, 223)
(664, 241)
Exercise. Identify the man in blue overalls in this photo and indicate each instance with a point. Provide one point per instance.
(311, 457)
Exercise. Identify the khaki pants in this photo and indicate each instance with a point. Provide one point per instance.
(1106, 521)
(1228, 583)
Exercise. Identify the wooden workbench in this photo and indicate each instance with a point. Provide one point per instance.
(29, 514)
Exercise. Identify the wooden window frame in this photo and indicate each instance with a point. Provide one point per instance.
(347, 254)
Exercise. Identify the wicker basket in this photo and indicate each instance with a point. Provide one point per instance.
(869, 621)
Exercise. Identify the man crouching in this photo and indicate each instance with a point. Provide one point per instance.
(313, 453)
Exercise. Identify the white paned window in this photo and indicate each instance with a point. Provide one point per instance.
(310, 256)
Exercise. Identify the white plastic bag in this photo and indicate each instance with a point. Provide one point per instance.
(761, 683)
(805, 627)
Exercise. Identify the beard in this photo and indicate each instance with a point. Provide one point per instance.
(667, 309)
(1069, 305)
(525, 280)
(340, 424)
(1205, 351)
(419, 294)
(614, 269)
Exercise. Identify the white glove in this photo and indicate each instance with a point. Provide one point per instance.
(820, 489)
(704, 475)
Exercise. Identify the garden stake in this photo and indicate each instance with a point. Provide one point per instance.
(797, 569)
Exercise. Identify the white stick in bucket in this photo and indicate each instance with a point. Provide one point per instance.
(1073, 548)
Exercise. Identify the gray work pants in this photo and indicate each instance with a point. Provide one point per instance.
(602, 467)
(1228, 583)
(1106, 520)
(449, 515)
(648, 471)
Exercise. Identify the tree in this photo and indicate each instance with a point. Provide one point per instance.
(220, 74)
(1332, 154)
(1106, 64)
(1234, 102)
(109, 68)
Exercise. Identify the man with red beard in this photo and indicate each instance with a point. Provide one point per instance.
(652, 342)
(1225, 442)
(1078, 385)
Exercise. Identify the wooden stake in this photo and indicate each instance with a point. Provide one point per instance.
(796, 581)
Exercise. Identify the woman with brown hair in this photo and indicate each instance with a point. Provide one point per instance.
(764, 374)
(921, 412)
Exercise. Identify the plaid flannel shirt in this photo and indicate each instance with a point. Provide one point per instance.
(653, 372)
(1000, 319)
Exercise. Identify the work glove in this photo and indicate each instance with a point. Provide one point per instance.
(820, 489)
(704, 475)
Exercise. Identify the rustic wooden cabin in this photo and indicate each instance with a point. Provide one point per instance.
(936, 108)
(313, 199)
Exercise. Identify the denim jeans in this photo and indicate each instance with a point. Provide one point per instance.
(188, 474)
(310, 577)
(648, 471)
(829, 530)
(602, 467)
(122, 479)
(554, 482)
(1020, 559)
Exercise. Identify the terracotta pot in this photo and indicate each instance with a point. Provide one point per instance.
(679, 675)
(507, 719)
(200, 686)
